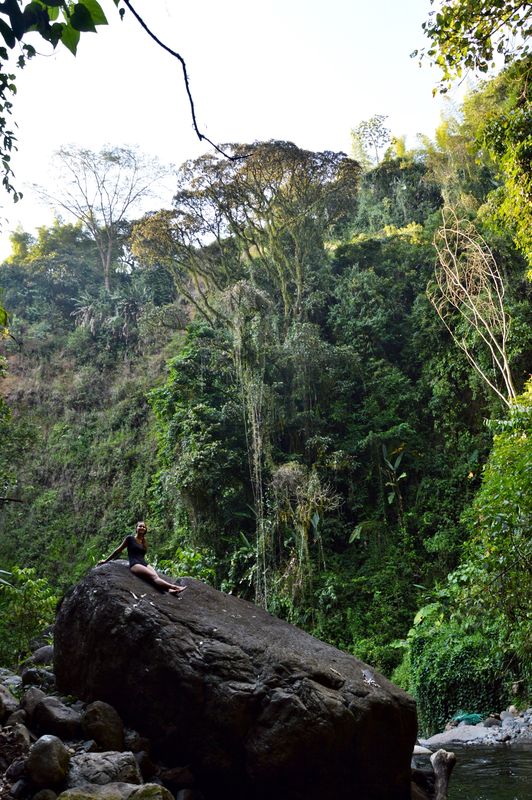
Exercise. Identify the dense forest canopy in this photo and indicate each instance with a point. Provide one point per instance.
(311, 376)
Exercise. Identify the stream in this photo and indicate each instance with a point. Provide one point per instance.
(491, 773)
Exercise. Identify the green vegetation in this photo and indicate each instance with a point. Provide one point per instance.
(27, 607)
(264, 378)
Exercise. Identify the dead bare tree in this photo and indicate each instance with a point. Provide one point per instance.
(468, 287)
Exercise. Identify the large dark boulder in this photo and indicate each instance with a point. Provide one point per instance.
(255, 706)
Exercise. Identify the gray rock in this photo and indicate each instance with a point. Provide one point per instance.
(16, 769)
(8, 703)
(135, 742)
(5, 673)
(43, 655)
(102, 723)
(151, 791)
(110, 791)
(18, 716)
(48, 761)
(102, 768)
(35, 676)
(45, 794)
(52, 716)
(30, 699)
(20, 788)
(463, 733)
(89, 746)
(21, 734)
(186, 794)
(14, 744)
(256, 706)
(13, 683)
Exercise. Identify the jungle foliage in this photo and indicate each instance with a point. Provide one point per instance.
(266, 382)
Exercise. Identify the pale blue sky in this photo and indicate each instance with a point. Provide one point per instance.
(301, 70)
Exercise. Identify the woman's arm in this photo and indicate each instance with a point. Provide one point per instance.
(115, 553)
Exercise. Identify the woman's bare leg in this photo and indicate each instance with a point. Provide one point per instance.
(149, 572)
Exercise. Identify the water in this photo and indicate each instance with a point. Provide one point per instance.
(491, 773)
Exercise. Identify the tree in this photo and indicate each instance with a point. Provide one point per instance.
(369, 138)
(262, 215)
(100, 189)
(468, 281)
(466, 34)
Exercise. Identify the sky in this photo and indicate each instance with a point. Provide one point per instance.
(301, 70)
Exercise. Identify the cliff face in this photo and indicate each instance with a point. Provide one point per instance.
(257, 707)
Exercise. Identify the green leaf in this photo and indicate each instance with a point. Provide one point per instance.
(81, 20)
(70, 38)
(96, 12)
(355, 534)
(7, 34)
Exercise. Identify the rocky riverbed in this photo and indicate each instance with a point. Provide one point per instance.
(507, 727)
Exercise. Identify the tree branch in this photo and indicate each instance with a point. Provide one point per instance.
(201, 136)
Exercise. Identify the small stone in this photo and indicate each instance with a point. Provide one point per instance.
(134, 742)
(17, 717)
(30, 699)
(34, 676)
(8, 703)
(52, 716)
(21, 734)
(45, 794)
(48, 761)
(43, 655)
(102, 723)
(111, 791)
(16, 769)
(12, 682)
(20, 788)
(151, 791)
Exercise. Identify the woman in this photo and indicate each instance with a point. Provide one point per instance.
(136, 551)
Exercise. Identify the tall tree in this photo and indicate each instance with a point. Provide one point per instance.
(101, 190)
(368, 140)
(263, 215)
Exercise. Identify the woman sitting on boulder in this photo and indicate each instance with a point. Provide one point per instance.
(136, 550)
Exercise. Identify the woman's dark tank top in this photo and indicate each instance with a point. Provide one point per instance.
(135, 552)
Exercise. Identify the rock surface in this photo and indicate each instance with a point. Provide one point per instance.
(50, 715)
(257, 707)
(48, 761)
(101, 723)
(511, 727)
(103, 768)
(8, 703)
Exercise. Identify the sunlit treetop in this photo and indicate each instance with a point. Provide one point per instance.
(470, 34)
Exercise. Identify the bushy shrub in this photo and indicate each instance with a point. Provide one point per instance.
(453, 669)
(27, 605)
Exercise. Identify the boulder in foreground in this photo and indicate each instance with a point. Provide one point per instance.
(257, 707)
